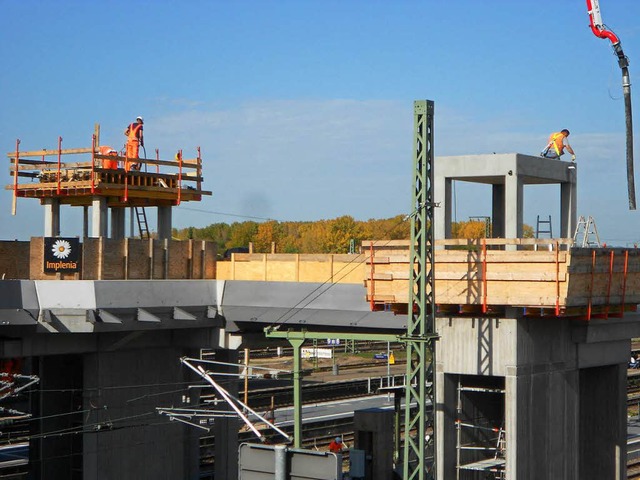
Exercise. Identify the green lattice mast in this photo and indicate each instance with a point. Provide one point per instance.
(421, 334)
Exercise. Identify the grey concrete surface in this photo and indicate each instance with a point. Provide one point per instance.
(508, 174)
(565, 387)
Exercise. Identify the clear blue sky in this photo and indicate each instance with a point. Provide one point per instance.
(303, 109)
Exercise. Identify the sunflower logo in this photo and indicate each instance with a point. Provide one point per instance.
(61, 249)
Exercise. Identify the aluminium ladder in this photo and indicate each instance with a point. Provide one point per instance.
(586, 234)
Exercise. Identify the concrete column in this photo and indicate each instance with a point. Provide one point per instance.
(497, 211)
(99, 218)
(117, 223)
(132, 231)
(129, 384)
(51, 217)
(568, 206)
(226, 429)
(55, 457)
(514, 190)
(164, 222)
(442, 215)
(85, 222)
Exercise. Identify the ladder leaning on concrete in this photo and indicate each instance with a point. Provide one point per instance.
(141, 218)
(586, 234)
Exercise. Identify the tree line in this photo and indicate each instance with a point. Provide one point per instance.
(338, 235)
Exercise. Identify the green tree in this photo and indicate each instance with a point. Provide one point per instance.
(241, 234)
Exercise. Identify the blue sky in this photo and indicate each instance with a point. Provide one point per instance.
(303, 109)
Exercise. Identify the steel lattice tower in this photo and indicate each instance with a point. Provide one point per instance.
(421, 334)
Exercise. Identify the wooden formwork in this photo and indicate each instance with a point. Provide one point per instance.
(547, 277)
(541, 275)
(295, 267)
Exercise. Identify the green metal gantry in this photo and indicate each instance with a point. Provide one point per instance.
(421, 335)
(296, 339)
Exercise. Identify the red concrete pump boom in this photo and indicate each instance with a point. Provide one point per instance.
(600, 30)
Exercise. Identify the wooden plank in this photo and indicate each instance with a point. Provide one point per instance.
(32, 162)
(47, 166)
(149, 161)
(40, 153)
(24, 174)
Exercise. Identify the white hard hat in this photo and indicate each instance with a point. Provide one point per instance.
(140, 118)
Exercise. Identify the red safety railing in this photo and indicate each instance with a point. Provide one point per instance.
(372, 303)
(593, 271)
(59, 163)
(179, 177)
(484, 276)
(199, 170)
(607, 305)
(557, 278)
(15, 179)
(93, 164)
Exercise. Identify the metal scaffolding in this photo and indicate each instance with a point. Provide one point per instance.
(480, 443)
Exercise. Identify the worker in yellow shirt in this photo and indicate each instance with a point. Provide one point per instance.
(558, 143)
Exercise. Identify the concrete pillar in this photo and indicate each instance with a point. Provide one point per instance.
(164, 222)
(85, 221)
(117, 223)
(497, 211)
(514, 190)
(123, 388)
(373, 433)
(442, 215)
(226, 429)
(564, 392)
(568, 206)
(99, 218)
(51, 217)
(55, 457)
(132, 231)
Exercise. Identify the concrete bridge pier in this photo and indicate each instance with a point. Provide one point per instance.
(97, 413)
(552, 389)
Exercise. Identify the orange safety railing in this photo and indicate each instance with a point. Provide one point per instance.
(59, 163)
(179, 177)
(372, 302)
(557, 278)
(606, 307)
(624, 281)
(593, 271)
(93, 164)
(484, 276)
(15, 179)
(199, 170)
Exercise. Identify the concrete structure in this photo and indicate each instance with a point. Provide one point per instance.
(564, 405)
(373, 433)
(507, 174)
(107, 354)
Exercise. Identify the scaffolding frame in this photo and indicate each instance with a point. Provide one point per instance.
(77, 182)
(495, 447)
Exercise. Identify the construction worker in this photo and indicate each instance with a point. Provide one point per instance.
(109, 164)
(557, 144)
(336, 445)
(135, 139)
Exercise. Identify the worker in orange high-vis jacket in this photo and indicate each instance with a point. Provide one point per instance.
(135, 139)
(558, 142)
